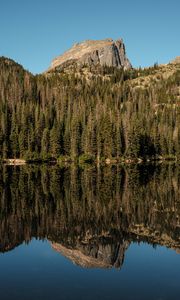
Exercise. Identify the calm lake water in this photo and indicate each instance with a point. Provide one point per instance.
(88, 233)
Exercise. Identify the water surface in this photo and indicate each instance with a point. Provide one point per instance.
(87, 233)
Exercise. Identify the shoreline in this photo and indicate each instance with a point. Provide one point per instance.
(107, 161)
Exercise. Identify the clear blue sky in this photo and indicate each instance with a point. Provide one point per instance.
(32, 32)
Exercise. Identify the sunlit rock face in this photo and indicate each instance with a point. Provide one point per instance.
(176, 60)
(103, 52)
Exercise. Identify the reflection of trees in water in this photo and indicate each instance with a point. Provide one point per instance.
(90, 209)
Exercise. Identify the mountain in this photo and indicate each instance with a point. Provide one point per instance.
(103, 52)
(84, 112)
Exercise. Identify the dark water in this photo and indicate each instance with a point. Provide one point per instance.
(88, 233)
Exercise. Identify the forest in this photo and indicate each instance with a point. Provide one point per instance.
(110, 114)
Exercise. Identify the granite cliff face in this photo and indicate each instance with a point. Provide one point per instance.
(104, 52)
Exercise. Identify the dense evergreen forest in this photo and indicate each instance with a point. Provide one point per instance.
(108, 114)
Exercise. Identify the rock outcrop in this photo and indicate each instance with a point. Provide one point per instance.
(104, 52)
(176, 60)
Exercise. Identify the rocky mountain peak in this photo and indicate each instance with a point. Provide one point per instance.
(93, 52)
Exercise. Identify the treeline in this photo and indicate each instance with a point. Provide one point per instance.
(69, 115)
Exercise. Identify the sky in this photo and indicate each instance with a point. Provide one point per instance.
(33, 32)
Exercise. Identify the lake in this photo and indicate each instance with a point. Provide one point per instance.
(110, 232)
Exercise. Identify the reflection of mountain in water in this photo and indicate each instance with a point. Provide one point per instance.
(96, 253)
(90, 215)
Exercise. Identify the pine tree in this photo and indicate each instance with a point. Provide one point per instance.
(45, 143)
(55, 147)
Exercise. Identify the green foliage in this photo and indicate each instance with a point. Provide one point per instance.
(85, 158)
(64, 114)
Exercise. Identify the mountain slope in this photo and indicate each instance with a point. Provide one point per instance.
(93, 113)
